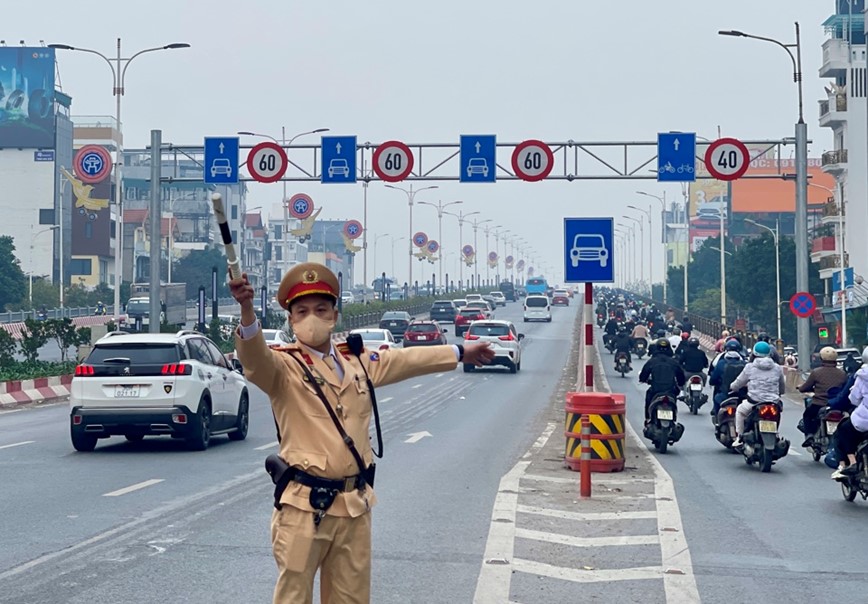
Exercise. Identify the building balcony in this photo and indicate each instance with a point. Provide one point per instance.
(831, 265)
(823, 247)
(833, 111)
(831, 213)
(835, 63)
(835, 162)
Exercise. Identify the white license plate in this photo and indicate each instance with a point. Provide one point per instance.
(664, 414)
(126, 392)
(393, 324)
(831, 427)
(767, 426)
(696, 386)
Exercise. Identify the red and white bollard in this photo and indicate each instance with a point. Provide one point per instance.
(589, 337)
(585, 463)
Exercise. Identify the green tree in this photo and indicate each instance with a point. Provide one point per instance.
(7, 349)
(35, 337)
(194, 269)
(64, 332)
(13, 282)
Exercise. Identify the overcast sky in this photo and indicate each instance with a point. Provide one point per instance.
(429, 71)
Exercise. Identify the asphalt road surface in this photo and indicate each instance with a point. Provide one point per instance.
(149, 522)
(786, 536)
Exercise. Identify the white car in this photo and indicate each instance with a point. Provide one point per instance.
(459, 303)
(276, 338)
(136, 385)
(473, 298)
(502, 338)
(377, 339)
(347, 297)
(537, 308)
(589, 248)
(499, 298)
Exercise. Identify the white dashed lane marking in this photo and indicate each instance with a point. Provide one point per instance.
(134, 487)
(23, 442)
(268, 446)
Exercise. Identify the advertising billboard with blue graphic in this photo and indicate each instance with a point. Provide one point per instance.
(27, 98)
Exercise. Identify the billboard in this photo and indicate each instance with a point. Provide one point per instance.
(27, 97)
(778, 195)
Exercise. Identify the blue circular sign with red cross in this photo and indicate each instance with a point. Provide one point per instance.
(92, 164)
(803, 304)
(420, 239)
(433, 246)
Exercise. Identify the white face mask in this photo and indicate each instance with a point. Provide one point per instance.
(313, 330)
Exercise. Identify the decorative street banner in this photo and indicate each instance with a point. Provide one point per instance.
(468, 254)
(420, 239)
(492, 259)
(520, 265)
(509, 260)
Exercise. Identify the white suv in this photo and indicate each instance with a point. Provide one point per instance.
(137, 385)
(537, 308)
(504, 340)
(499, 298)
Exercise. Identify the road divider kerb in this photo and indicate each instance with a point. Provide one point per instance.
(38, 390)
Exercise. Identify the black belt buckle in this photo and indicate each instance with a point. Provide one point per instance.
(321, 499)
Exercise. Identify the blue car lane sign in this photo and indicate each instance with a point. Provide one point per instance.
(338, 158)
(676, 157)
(221, 160)
(478, 158)
(589, 250)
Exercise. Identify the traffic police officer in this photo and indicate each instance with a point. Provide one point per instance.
(339, 542)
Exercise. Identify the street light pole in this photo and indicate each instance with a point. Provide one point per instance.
(662, 201)
(804, 336)
(476, 223)
(119, 73)
(394, 241)
(650, 263)
(411, 194)
(776, 233)
(440, 206)
(462, 218)
(374, 263)
(642, 243)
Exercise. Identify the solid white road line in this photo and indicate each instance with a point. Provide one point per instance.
(532, 509)
(587, 541)
(588, 576)
(268, 446)
(541, 441)
(492, 587)
(23, 442)
(603, 480)
(439, 375)
(134, 487)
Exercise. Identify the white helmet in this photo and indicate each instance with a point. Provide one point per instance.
(865, 355)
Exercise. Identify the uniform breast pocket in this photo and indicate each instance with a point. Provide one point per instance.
(361, 385)
(309, 402)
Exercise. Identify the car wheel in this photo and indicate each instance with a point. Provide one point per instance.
(513, 368)
(201, 437)
(468, 368)
(83, 442)
(135, 438)
(518, 367)
(243, 422)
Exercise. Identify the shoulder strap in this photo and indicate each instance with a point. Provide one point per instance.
(322, 397)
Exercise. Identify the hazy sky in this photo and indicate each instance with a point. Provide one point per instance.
(429, 71)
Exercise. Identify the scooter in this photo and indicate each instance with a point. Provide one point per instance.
(693, 395)
(610, 343)
(761, 443)
(622, 363)
(640, 347)
(724, 424)
(858, 483)
(663, 429)
(827, 425)
(601, 320)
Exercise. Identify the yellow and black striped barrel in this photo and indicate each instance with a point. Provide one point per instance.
(606, 414)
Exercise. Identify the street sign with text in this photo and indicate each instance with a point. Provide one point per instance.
(392, 161)
(727, 159)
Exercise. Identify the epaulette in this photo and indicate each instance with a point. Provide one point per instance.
(295, 348)
(344, 349)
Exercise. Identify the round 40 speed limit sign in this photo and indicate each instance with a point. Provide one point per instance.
(532, 160)
(727, 159)
(267, 162)
(393, 161)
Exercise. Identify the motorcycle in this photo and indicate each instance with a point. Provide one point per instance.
(724, 422)
(610, 344)
(601, 320)
(858, 483)
(663, 429)
(760, 442)
(622, 363)
(693, 394)
(640, 347)
(828, 421)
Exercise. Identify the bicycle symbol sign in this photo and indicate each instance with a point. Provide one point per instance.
(803, 304)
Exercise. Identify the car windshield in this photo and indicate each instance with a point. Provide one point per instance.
(372, 336)
(489, 329)
(536, 302)
(496, 294)
(588, 241)
(561, 292)
(138, 306)
(442, 305)
(470, 312)
(422, 328)
(477, 305)
(138, 354)
(394, 316)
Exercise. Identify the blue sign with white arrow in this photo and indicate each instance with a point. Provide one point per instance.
(848, 279)
(338, 159)
(588, 250)
(221, 160)
(676, 157)
(478, 158)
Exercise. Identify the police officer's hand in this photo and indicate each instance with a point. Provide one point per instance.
(242, 291)
(478, 354)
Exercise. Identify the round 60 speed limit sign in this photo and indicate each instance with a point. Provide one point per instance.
(393, 161)
(532, 160)
(727, 159)
(267, 162)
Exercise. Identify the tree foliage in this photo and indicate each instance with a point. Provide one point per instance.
(35, 337)
(13, 282)
(194, 269)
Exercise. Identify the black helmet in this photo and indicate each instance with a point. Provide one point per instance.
(661, 333)
(732, 344)
(763, 337)
(693, 342)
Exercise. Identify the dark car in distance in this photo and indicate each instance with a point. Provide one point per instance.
(444, 311)
(508, 289)
(396, 321)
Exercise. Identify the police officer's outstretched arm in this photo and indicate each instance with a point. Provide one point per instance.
(390, 366)
(260, 366)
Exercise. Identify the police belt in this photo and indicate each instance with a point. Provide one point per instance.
(344, 485)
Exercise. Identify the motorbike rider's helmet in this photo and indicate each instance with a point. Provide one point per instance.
(686, 318)
(662, 346)
(762, 350)
(693, 342)
(661, 333)
(684, 335)
(827, 353)
(724, 334)
(865, 355)
(732, 344)
(763, 337)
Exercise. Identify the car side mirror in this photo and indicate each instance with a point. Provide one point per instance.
(521, 336)
(236, 366)
(444, 330)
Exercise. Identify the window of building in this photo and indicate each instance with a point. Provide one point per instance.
(81, 266)
(278, 252)
(88, 231)
(234, 212)
(113, 229)
(278, 231)
(46, 216)
(234, 235)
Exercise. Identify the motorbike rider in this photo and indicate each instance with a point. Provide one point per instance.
(682, 345)
(661, 373)
(725, 371)
(623, 344)
(640, 332)
(610, 330)
(693, 360)
(765, 384)
(851, 364)
(675, 338)
(100, 308)
(764, 337)
(724, 336)
(686, 325)
(820, 381)
(42, 313)
(853, 430)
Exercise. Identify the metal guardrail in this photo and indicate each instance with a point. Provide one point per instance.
(19, 316)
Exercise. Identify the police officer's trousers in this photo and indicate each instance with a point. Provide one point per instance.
(341, 546)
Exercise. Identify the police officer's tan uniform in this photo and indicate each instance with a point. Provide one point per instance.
(341, 544)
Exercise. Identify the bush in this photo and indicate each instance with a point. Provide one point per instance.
(29, 370)
(8, 345)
